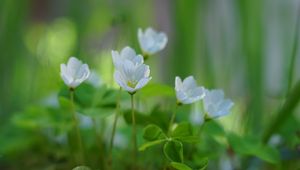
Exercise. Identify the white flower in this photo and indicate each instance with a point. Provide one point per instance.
(127, 53)
(152, 41)
(74, 73)
(215, 105)
(187, 91)
(132, 77)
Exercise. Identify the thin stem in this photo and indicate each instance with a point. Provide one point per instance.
(201, 128)
(133, 130)
(77, 130)
(114, 128)
(173, 118)
(294, 51)
(284, 113)
(99, 142)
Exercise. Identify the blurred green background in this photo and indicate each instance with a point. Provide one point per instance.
(249, 48)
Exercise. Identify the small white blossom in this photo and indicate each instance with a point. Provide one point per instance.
(215, 105)
(127, 53)
(74, 73)
(152, 41)
(187, 91)
(132, 77)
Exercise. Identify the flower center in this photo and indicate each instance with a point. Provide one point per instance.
(131, 84)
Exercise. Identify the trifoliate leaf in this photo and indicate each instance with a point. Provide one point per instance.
(152, 143)
(182, 130)
(173, 150)
(180, 166)
(153, 132)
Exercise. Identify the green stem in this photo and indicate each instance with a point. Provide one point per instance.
(77, 130)
(173, 118)
(133, 131)
(99, 142)
(294, 52)
(284, 113)
(114, 129)
(201, 128)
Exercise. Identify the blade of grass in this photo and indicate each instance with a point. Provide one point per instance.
(294, 51)
(286, 111)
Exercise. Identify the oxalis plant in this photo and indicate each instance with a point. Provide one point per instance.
(179, 131)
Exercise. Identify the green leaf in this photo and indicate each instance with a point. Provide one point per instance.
(189, 139)
(153, 90)
(85, 95)
(36, 117)
(160, 118)
(248, 145)
(180, 166)
(153, 132)
(65, 103)
(213, 128)
(140, 118)
(81, 168)
(98, 112)
(173, 150)
(182, 130)
(152, 143)
(268, 154)
(203, 164)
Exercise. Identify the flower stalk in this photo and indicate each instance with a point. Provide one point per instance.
(114, 129)
(133, 130)
(77, 130)
(173, 117)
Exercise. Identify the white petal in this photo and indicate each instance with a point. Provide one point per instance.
(150, 32)
(178, 83)
(66, 80)
(181, 96)
(162, 40)
(119, 78)
(141, 71)
(115, 57)
(64, 70)
(198, 92)
(189, 100)
(128, 69)
(75, 83)
(73, 65)
(139, 59)
(128, 53)
(189, 83)
(143, 82)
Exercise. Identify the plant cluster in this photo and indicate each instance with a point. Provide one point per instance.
(172, 137)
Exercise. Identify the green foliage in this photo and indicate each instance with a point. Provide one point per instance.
(81, 168)
(151, 143)
(153, 132)
(184, 132)
(141, 118)
(247, 145)
(180, 166)
(155, 90)
(202, 163)
(173, 150)
(36, 135)
(42, 118)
